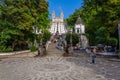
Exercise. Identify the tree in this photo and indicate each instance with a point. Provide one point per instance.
(98, 15)
(17, 18)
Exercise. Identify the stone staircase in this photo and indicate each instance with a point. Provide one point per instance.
(53, 51)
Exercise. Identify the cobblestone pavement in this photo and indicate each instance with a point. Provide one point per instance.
(56, 67)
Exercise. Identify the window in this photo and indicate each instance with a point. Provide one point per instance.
(78, 30)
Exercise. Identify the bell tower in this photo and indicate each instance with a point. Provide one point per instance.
(53, 14)
(61, 15)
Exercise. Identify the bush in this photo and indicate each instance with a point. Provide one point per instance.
(20, 46)
(9, 49)
(5, 49)
(112, 41)
(33, 48)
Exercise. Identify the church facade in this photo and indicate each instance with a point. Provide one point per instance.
(57, 24)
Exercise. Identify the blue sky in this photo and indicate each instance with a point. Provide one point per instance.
(67, 6)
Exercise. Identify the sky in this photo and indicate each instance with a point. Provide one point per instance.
(67, 6)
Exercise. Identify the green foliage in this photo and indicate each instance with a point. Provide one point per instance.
(75, 38)
(72, 18)
(100, 18)
(33, 48)
(46, 36)
(101, 35)
(112, 41)
(5, 49)
(68, 38)
(17, 18)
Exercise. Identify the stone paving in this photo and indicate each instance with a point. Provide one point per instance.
(59, 68)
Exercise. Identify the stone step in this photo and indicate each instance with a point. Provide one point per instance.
(53, 51)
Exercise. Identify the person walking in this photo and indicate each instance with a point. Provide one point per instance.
(88, 52)
(93, 56)
(40, 50)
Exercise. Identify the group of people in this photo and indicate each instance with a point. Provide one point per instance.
(92, 53)
(110, 49)
(60, 41)
(55, 37)
(62, 44)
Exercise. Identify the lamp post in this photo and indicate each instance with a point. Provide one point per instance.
(71, 41)
(119, 33)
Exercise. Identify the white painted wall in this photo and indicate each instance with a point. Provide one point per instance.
(81, 28)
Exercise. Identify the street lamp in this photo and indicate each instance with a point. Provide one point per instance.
(71, 40)
(119, 33)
